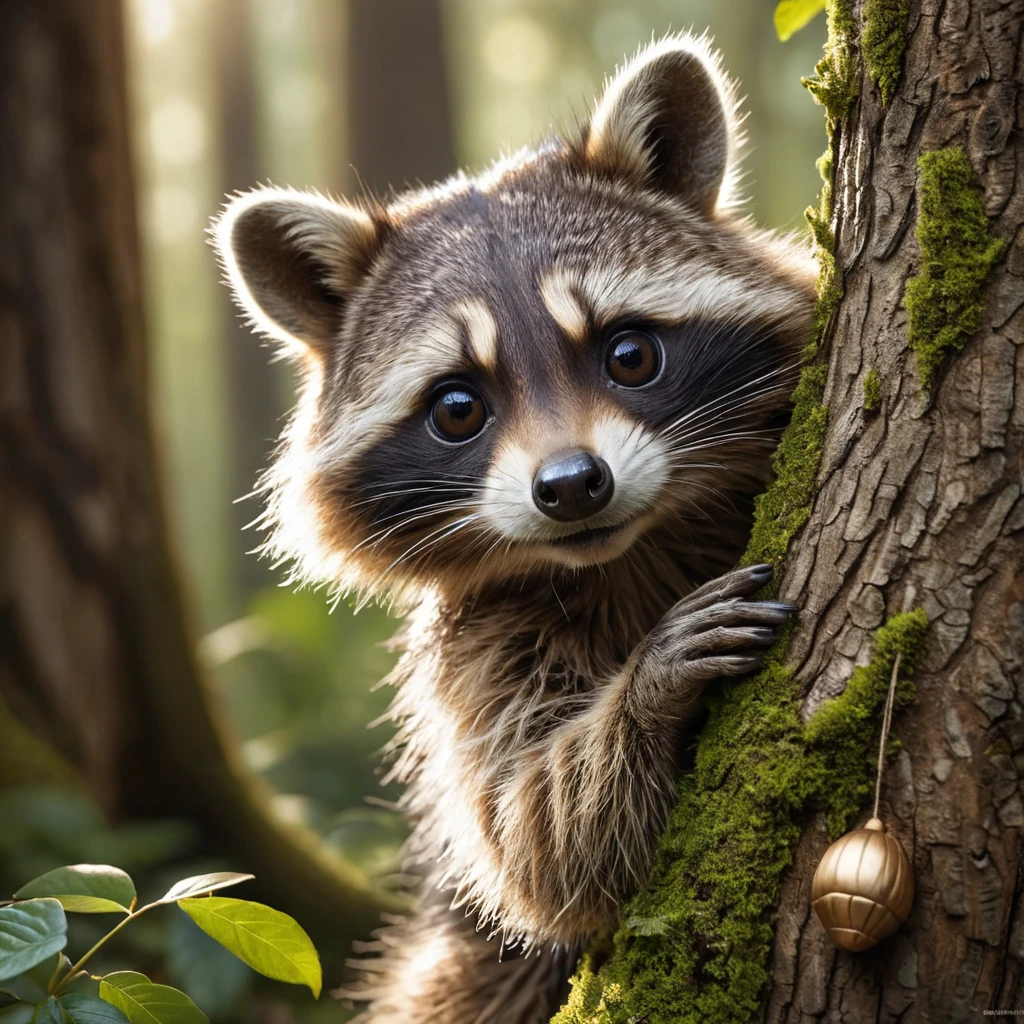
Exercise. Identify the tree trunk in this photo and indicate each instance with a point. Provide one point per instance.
(399, 117)
(919, 504)
(255, 385)
(97, 662)
(915, 504)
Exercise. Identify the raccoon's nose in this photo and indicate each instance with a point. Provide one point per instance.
(575, 487)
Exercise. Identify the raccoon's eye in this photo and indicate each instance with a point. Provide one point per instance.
(634, 358)
(458, 413)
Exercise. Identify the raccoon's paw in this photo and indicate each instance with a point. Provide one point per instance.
(714, 632)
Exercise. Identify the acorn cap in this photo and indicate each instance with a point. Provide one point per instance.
(864, 887)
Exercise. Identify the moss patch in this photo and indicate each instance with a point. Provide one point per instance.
(842, 738)
(945, 301)
(834, 84)
(872, 391)
(830, 282)
(884, 41)
(785, 505)
(592, 1000)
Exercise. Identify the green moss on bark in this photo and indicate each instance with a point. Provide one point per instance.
(945, 301)
(872, 391)
(830, 282)
(785, 505)
(884, 42)
(834, 84)
(592, 1000)
(842, 739)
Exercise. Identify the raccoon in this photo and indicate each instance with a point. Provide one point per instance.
(535, 408)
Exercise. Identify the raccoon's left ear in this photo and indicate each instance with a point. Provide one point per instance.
(293, 260)
(667, 120)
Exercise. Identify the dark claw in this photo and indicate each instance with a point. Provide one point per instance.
(774, 612)
(781, 607)
(761, 635)
(747, 662)
(765, 570)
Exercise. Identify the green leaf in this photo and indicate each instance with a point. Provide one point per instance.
(142, 1002)
(647, 925)
(29, 933)
(84, 889)
(83, 1009)
(267, 940)
(793, 15)
(50, 1012)
(198, 884)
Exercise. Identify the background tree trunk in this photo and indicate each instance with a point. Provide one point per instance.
(255, 386)
(920, 505)
(97, 657)
(400, 119)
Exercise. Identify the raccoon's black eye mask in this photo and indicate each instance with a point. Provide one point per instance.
(458, 413)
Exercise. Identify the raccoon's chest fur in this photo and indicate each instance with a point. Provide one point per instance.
(555, 635)
(482, 686)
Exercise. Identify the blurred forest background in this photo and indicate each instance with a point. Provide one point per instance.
(334, 95)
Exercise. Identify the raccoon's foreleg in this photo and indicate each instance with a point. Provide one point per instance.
(577, 821)
(437, 968)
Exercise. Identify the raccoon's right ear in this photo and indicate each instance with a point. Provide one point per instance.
(667, 120)
(292, 259)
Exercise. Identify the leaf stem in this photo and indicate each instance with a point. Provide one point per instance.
(56, 972)
(76, 968)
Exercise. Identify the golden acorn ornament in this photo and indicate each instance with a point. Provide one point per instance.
(863, 888)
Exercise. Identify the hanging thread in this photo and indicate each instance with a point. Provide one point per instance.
(886, 723)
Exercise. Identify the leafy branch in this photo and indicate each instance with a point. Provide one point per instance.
(33, 929)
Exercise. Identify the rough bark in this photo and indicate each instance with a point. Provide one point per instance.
(97, 657)
(919, 504)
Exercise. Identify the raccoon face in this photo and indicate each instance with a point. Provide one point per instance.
(534, 368)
